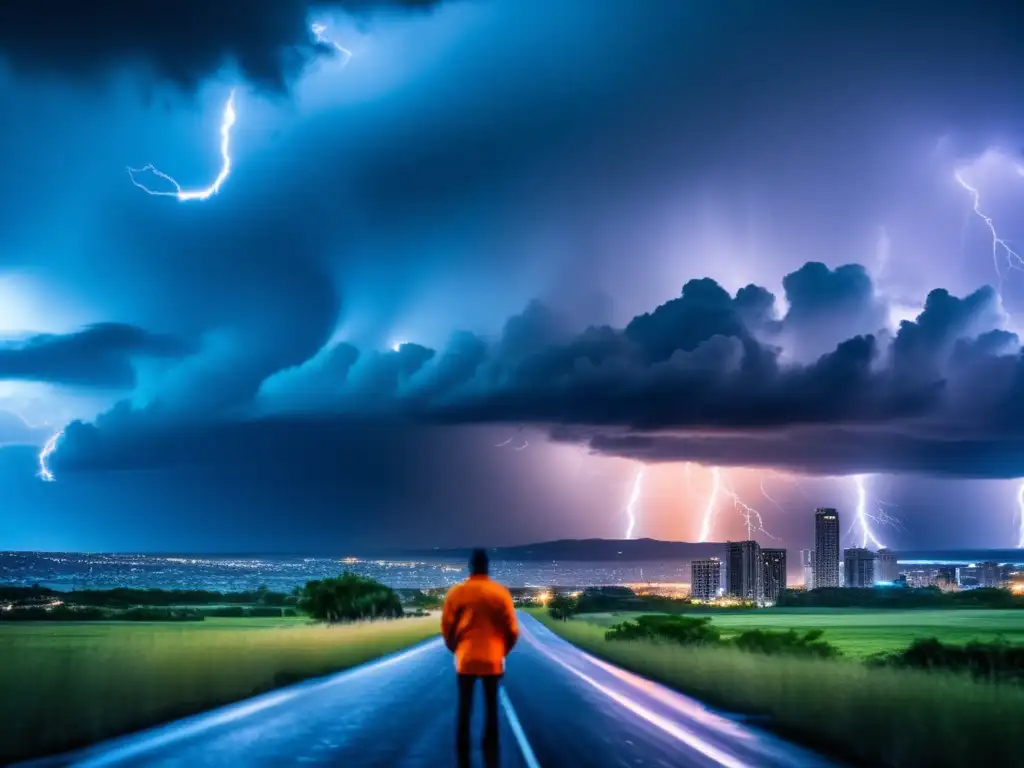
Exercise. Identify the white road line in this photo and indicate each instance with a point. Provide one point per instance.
(517, 730)
(675, 730)
(160, 736)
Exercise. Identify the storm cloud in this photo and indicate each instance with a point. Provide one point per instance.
(697, 379)
(270, 41)
(101, 355)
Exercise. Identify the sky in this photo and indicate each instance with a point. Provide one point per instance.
(485, 272)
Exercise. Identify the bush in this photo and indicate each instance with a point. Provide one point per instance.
(899, 597)
(684, 630)
(349, 597)
(999, 662)
(790, 643)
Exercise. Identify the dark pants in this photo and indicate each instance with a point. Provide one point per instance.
(467, 684)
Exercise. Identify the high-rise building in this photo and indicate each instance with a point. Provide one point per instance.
(859, 564)
(705, 579)
(773, 578)
(826, 548)
(990, 575)
(886, 567)
(807, 561)
(744, 570)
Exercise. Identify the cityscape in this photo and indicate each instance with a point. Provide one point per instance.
(750, 573)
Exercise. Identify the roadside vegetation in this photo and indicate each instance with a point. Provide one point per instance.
(926, 703)
(66, 684)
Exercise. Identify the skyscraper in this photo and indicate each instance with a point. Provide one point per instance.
(705, 578)
(859, 564)
(773, 578)
(990, 575)
(886, 567)
(807, 561)
(744, 570)
(826, 548)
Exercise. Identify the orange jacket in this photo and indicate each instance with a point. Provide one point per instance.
(479, 626)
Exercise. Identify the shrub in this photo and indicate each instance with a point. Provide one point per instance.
(997, 661)
(790, 643)
(684, 630)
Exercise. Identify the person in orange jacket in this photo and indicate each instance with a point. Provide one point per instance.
(479, 626)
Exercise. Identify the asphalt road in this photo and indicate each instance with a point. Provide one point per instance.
(560, 707)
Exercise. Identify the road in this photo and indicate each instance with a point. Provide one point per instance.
(560, 707)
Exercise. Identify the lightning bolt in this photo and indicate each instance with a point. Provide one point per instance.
(634, 497)
(720, 486)
(999, 245)
(185, 195)
(523, 447)
(755, 523)
(48, 448)
(230, 117)
(1020, 509)
(862, 515)
(712, 505)
(318, 33)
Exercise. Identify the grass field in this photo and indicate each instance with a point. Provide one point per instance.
(64, 685)
(861, 633)
(883, 717)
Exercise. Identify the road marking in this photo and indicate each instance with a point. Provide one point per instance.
(675, 730)
(161, 736)
(517, 730)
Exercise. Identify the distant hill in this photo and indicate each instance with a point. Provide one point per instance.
(593, 550)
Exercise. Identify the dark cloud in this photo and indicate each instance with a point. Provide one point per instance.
(828, 452)
(689, 380)
(100, 355)
(269, 40)
(828, 303)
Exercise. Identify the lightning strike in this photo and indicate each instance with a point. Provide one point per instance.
(1020, 510)
(318, 33)
(523, 447)
(862, 515)
(755, 523)
(186, 195)
(634, 497)
(48, 448)
(999, 245)
(711, 507)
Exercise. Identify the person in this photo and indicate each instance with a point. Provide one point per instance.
(479, 626)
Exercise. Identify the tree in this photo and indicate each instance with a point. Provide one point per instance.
(349, 597)
(562, 606)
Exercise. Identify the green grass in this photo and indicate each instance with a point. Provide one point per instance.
(863, 632)
(64, 685)
(883, 717)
